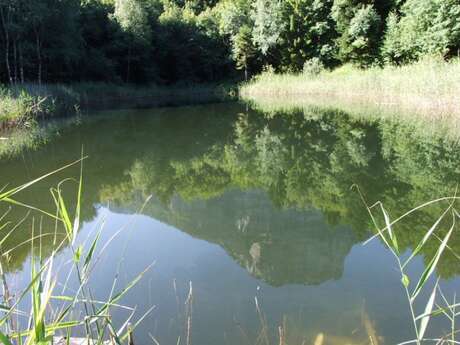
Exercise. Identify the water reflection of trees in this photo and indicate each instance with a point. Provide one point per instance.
(310, 160)
(304, 160)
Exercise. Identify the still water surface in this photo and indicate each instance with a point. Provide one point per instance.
(247, 206)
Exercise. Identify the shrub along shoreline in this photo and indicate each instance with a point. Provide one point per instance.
(428, 88)
(21, 105)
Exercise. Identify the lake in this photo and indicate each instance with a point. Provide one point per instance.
(252, 218)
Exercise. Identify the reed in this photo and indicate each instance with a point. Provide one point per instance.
(429, 87)
(422, 309)
(53, 312)
(20, 108)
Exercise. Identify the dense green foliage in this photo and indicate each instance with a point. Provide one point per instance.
(425, 27)
(166, 41)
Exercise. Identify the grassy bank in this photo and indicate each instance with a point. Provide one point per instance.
(429, 87)
(21, 105)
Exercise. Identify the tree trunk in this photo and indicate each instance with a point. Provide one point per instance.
(39, 57)
(21, 64)
(7, 43)
(129, 65)
(15, 56)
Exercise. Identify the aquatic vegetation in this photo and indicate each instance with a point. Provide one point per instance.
(428, 88)
(52, 312)
(19, 108)
(436, 304)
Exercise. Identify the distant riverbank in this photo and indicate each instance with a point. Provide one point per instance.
(21, 105)
(430, 87)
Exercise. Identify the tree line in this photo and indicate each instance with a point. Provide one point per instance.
(167, 41)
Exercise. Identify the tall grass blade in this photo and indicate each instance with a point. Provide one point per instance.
(10, 193)
(30, 207)
(427, 313)
(432, 265)
(120, 294)
(392, 235)
(22, 295)
(426, 237)
(429, 203)
(76, 223)
(133, 327)
(90, 254)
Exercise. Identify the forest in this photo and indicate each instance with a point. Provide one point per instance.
(169, 41)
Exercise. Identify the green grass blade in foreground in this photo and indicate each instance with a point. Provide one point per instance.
(131, 329)
(30, 207)
(90, 254)
(41, 328)
(433, 263)
(420, 322)
(71, 227)
(428, 309)
(62, 210)
(7, 196)
(429, 203)
(22, 295)
(393, 237)
(426, 237)
(11, 192)
(120, 294)
(76, 223)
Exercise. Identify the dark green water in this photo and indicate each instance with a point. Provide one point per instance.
(248, 204)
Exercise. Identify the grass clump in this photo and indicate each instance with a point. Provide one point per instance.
(23, 104)
(430, 86)
(20, 108)
(56, 316)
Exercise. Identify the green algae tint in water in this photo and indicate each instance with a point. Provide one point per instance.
(248, 206)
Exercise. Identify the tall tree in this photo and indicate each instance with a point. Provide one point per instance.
(309, 33)
(425, 27)
(233, 15)
(243, 49)
(268, 23)
(35, 32)
(133, 19)
(360, 28)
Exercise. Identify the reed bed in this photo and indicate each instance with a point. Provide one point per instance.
(55, 314)
(429, 87)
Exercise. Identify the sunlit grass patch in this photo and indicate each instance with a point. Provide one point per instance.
(430, 87)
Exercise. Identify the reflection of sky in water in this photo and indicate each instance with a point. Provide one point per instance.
(367, 292)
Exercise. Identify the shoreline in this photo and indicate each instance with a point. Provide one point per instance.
(30, 126)
(22, 105)
(428, 89)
